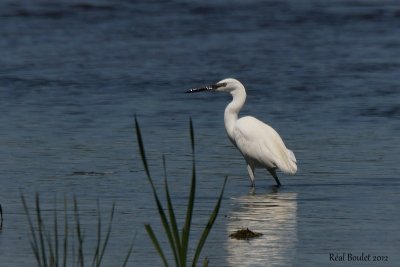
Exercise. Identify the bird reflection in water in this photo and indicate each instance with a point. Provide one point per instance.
(272, 214)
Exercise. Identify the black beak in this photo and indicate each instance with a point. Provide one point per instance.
(201, 89)
(206, 88)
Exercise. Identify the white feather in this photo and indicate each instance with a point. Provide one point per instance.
(262, 146)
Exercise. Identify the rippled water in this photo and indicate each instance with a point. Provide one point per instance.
(323, 73)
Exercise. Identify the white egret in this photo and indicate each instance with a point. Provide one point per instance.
(260, 145)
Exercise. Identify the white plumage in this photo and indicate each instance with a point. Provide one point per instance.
(260, 145)
(268, 152)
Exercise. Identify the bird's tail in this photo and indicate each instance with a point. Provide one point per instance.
(290, 165)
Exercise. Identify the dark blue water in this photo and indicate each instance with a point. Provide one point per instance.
(324, 74)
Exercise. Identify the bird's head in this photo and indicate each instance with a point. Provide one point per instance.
(226, 85)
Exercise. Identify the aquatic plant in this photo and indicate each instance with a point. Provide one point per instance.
(50, 251)
(244, 234)
(178, 240)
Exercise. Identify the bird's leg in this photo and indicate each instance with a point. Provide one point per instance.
(273, 173)
(250, 169)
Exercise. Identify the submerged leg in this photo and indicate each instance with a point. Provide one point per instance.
(250, 169)
(273, 173)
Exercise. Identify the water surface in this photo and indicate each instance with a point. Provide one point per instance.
(324, 74)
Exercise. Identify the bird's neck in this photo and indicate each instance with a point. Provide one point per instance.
(233, 109)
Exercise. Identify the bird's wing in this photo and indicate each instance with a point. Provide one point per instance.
(260, 143)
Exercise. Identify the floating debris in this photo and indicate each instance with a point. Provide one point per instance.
(244, 234)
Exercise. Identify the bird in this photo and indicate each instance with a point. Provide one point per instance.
(260, 145)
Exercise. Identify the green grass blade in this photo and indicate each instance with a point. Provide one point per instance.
(97, 251)
(189, 212)
(160, 209)
(73, 252)
(141, 149)
(103, 249)
(205, 262)
(164, 221)
(34, 243)
(40, 231)
(191, 135)
(36, 253)
(65, 245)
(209, 225)
(172, 219)
(79, 234)
(129, 251)
(156, 243)
(56, 233)
(50, 248)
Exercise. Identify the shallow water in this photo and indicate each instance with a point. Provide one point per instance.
(324, 74)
